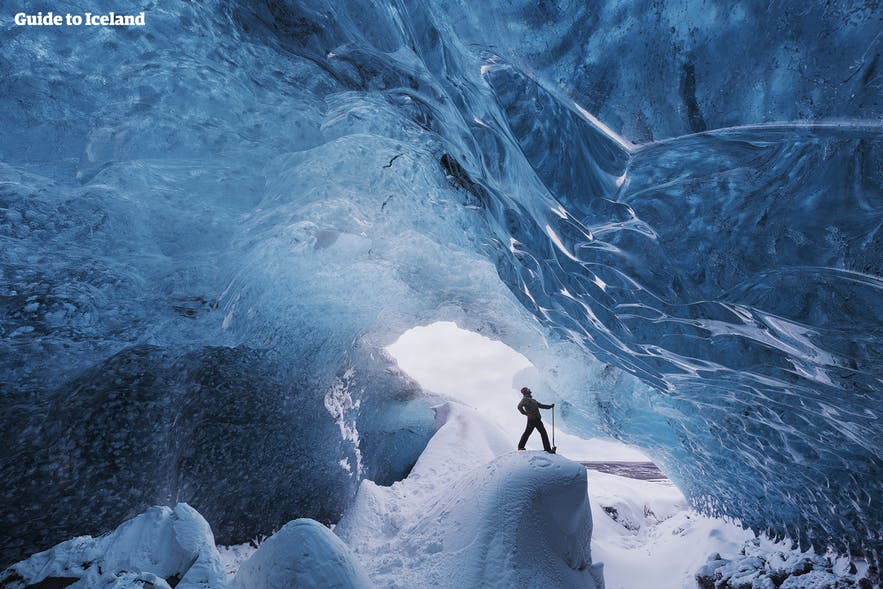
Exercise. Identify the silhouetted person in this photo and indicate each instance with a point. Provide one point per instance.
(531, 408)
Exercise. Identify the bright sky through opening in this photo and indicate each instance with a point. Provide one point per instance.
(479, 372)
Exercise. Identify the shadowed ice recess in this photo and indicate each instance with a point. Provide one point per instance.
(212, 225)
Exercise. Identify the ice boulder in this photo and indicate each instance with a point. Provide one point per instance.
(523, 522)
(303, 554)
(476, 513)
(162, 547)
(763, 564)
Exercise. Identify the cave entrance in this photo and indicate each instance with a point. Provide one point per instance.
(643, 527)
(466, 367)
(486, 374)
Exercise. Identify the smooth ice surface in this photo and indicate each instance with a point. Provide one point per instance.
(475, 513)
(242, 203)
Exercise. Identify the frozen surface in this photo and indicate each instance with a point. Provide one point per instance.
(234, 209)
(647, 536)
(475, 513)
(444, 525)
(162, 546)
(234, 555)
(303, 554)
(222, 428)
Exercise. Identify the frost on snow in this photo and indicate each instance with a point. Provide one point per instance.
(303, 554)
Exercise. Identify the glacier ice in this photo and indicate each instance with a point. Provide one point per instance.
(220, 427)
(472, 512)
(304, 553)
(212, 225)
(162, 546)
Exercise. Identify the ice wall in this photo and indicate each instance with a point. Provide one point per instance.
(654, 70)
(211, 225)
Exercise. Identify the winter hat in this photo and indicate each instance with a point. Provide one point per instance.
(525, 391)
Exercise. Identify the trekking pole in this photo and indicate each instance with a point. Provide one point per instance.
(553, 427)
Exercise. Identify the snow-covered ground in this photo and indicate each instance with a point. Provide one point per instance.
(644, 533)
(655, 540)
(647, 536)
(473, 512)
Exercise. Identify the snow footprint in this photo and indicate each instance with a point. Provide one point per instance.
(540, 461)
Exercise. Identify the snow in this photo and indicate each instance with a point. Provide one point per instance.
(765, 563)
(303, 554)
(481, 373)
(647, 536)
(234, 555)
(472, 513)
(656, 539)
(472, 506)
(475, 513)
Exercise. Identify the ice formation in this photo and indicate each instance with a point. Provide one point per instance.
(214, 223)
(472, 513)
(475, 513)
(306, 554)
(160, 548)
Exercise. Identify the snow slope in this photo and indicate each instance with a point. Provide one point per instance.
(475, 513)
(647, 535)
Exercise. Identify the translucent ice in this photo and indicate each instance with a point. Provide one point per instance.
(212, 225)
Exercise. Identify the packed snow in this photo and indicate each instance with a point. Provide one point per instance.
(476, 513)
(303, 554)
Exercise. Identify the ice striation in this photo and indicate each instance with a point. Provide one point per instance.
(214, 223)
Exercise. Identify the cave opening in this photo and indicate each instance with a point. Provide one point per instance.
(486, 374)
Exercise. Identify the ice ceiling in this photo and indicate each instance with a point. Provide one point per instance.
(214, 223)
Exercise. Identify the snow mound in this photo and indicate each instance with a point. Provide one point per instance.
(162, 547)
(475, 513)
(303, 554)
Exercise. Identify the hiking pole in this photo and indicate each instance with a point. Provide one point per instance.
(554, 447)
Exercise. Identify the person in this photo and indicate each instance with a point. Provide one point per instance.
(531, 408)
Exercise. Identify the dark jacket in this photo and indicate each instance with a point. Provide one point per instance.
(531, 407)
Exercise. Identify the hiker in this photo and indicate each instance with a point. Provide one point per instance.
(531, 408)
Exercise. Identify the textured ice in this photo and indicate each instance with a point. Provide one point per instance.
(220, 427)
(212, 225)
(306, 554)
(162, 546)
(763, 564)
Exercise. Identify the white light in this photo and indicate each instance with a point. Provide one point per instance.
(454, 362)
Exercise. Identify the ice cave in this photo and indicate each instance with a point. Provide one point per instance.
(216, 218)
